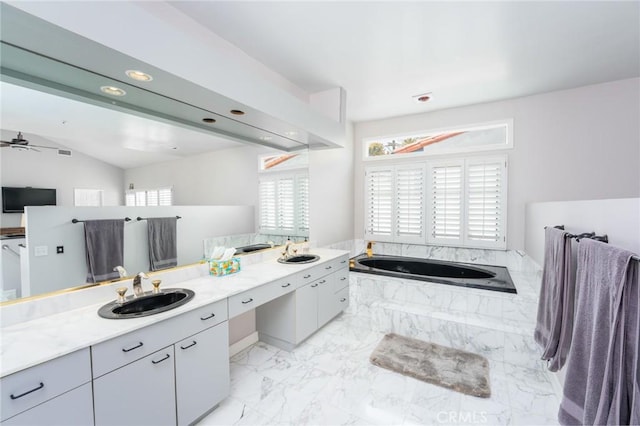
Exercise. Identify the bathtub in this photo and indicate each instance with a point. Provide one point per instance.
(485, 277)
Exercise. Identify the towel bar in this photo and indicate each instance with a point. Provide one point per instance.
(74, 220)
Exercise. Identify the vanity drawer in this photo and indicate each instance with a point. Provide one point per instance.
(335, 264)
(342, 279)
(255, 297)
(28, 388)
(202, 318)
(122, 350)
(318, 271)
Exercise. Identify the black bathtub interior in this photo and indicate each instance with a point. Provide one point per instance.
(485, 277)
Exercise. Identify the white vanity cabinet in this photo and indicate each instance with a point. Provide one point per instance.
(140, 393)
(202, 372)
(287, 321)
(58, 391)
(171, 372)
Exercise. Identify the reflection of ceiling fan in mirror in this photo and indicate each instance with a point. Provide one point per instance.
(19, 142)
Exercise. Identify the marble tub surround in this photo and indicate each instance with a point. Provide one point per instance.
(62, 331)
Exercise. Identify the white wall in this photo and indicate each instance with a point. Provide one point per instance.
(619, 219)
(47, 169)
(574, 144)
(52, 227)
(225, 177)
(331, 193)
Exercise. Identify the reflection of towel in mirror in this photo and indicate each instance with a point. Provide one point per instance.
(104, 243)
(556, 303)
(601, 369)
(162, 234)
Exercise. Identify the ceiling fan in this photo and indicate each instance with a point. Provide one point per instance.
(19, 142)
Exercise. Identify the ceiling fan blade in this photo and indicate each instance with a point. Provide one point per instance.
(42, 146)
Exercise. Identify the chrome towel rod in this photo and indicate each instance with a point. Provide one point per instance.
(74, 220)
(145, 218)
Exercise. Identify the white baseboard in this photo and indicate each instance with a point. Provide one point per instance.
(243, 343)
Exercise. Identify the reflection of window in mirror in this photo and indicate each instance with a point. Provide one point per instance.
(83, 197)
(149, 197)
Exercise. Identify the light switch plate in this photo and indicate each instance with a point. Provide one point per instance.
(41, 251)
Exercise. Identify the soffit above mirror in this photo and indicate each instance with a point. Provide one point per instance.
(39, 55)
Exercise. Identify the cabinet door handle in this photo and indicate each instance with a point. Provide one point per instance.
(328, 267)
(322, 282)
(306, 276)
(314, 285)
(343, 262)
(343, 300)
(244, 302)
(207, 317)
(40, 386)
(188, 346)
(139, 345)
(286, 285)
(343, 278)
(166, 357)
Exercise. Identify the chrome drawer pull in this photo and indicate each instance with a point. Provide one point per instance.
(343, 278)
(343, 262)
(209, 317)
(314, 285)
(307, 276)
(40, 386)
(343, 300)
(166, 357)
(130, 349)
(286, 285)
(188, 346)
(322, 282)
(328, 267)
(244, 302)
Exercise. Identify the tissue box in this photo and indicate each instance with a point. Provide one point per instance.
(220, 268)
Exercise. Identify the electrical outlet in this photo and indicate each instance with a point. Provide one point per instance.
(41, 251)
(60, 249)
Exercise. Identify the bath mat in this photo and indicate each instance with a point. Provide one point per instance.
(442, 366)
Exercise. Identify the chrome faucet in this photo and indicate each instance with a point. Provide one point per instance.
(137, 284)
(286, 254)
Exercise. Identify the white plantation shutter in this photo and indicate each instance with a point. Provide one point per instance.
(152, 198)
(149, 197)
(165, 197)
(267, 204)
(379, 194)
(87, 197)
(303, 204)
(410, 197)
(485, 194)
(130, 199)
(446, 203)
(286, 204)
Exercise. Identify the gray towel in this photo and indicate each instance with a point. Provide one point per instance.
(104, 243)
(163, 252)
(557, 299)
(598, 378)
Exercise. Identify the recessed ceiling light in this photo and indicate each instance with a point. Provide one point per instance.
(138, 75)
(209, 120)
(425, 97)
(236, 112)
(291, 133)
(265, 138)
(113, 91)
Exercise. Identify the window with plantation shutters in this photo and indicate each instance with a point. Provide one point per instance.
(379, 191)
(484, 193)
(284, 204)
(456, 202)
(149, 197)
(445, 186)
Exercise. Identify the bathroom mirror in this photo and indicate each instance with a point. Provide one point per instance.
(116, 149)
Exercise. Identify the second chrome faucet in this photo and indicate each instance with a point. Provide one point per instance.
(137, 284)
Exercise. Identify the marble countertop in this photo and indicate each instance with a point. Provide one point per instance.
(29, 343)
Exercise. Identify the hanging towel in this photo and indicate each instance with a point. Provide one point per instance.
(596, 389)
(556, 303)
(162, 234)
(104, 244)
(635, 370)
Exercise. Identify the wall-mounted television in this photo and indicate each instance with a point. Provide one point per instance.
(14, 200)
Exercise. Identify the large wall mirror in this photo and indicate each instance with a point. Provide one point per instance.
(80, 146)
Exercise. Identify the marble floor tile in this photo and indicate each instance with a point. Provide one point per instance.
(328, 380)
